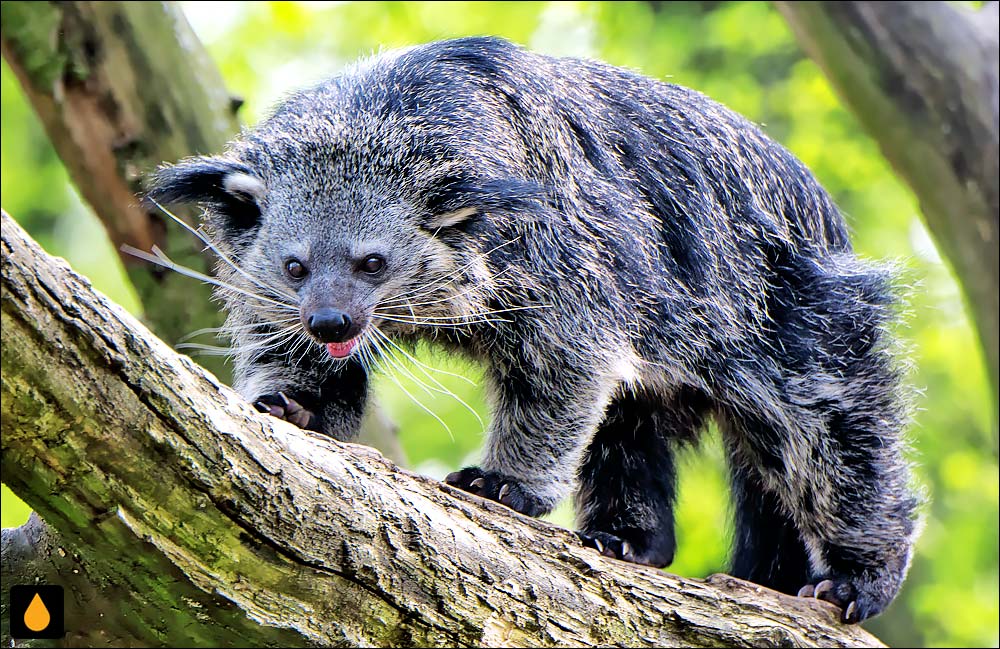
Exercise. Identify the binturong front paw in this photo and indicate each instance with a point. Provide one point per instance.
(503, 489)
(654, 548)
(858, 598)
(281, 406)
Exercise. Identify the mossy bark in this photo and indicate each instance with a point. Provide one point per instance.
(211, 523)
(923, 79)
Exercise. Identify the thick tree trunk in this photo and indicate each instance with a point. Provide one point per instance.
(214, 523)
(122, 87)
(922, 78)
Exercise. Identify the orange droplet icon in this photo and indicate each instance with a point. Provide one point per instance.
(36, 616)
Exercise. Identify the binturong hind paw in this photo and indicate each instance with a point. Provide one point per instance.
(281, 406)
(503, 489)
(857, 598)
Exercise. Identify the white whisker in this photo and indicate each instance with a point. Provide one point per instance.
(466, 318)
(423, 365)
(456, 295)
(160, 258)
(412, 398)
(208, 348)
(454, 275)
(391, 359)
(208, 242)
(390, 318)
(423, 369)
(229, 329)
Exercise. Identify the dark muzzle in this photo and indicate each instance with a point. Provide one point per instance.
(329, 325)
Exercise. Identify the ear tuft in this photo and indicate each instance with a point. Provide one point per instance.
(244, 187)
(227, 186)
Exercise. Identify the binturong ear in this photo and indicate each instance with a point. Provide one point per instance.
(228, 187)
(459, 201)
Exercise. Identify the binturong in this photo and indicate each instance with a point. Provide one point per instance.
(628, 259)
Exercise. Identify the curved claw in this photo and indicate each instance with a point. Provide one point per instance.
(822, 588)
(851, 613)
(616, 547)
(855, 602)
(281, 406)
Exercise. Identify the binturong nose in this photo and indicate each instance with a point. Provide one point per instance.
(329, 325)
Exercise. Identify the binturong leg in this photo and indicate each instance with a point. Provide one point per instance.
(838, 521)
(542, 423)
(820, 443)
(625, 499)
(767, 546)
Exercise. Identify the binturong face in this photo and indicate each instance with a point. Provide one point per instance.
(356, 256)
(310, 255)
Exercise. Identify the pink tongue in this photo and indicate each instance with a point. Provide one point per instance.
(341, 350)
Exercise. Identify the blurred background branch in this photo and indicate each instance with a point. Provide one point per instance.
(120, 88)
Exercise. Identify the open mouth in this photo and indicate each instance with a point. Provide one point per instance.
(342, 350)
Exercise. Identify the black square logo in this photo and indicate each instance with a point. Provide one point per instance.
(36, 612)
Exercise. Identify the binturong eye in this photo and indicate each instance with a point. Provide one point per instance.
(373, 264)
(296, 269)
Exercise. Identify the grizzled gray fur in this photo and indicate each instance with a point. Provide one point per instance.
(628, 258)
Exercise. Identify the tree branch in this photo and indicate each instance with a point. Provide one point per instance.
(923, 78)
(216, 523)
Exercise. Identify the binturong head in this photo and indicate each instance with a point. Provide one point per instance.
(305, 247)
(363, 206)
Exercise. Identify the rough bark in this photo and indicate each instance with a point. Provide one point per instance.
(215, 523)
(122, 87)
(922, 78)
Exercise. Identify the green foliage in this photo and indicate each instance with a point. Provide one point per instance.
(740, 53)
